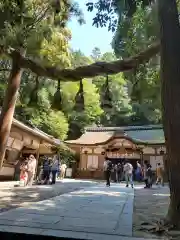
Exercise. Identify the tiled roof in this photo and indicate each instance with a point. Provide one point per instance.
(125, 128)
(91, 138)
(37, 132)
(151, 134)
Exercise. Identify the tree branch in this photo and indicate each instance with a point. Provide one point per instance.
(95, 69)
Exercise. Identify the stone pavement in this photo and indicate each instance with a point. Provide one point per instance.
(12, 197)
(95, 212)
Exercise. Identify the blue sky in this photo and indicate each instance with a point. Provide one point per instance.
(86, 37)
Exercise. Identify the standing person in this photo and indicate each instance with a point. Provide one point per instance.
(113, 173)
(54, 169)
(159, 174)
(31, 169)
(128, 171)
(63, 171)
(17, 171)
(122, 173)
(149, 176)
(46, 171)
(23, 174)
(59, 171)
(119, 172)
(138, 171)
(145, 167)
(107, 171)
(59, 168)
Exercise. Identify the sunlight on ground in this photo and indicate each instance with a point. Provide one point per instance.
(161, 194)
(68, 180)
(101, 192)
(139, 187)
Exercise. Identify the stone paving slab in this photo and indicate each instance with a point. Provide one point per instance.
(95, 210)
(13, 197)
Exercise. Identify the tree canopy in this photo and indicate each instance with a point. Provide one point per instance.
(46, 40)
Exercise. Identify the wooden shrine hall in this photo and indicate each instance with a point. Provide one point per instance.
(136, 143)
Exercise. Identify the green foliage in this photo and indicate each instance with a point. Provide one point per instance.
(92, 111)
(96, 54)
(79, 59)
(67, 157)
(132, 36)
(107, 11)
(54, 52)
(137, 33)
(40, 28)
(136, 27)
(55, 124)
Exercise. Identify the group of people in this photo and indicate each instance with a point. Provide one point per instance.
(50, 170)
(125, 171)
(47, 172)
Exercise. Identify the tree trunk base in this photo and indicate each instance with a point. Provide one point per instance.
(162, 228)
(173, 216)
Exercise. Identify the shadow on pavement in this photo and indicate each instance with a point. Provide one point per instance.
(18, 196)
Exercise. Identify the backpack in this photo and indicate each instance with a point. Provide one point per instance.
(109, 165)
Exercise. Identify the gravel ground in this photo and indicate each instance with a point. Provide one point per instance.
(150, 205)
(12, 197)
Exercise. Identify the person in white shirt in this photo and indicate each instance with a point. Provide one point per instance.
(128, 172)
(63, 171)
(31, 169)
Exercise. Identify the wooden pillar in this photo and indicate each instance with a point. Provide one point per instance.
(9, 103)
(141, 155)
(156, 153)
(37, 158)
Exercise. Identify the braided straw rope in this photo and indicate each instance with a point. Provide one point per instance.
(92, 70)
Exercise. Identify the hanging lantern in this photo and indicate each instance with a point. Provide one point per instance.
(79, 99)
(57, 100)
(34, 95)
(106, 99)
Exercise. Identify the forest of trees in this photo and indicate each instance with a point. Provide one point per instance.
(38, 30)
(135, 95)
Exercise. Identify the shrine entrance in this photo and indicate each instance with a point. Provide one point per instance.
(123, 160)
(124, 150)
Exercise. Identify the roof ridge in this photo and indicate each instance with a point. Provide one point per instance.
(123, 128)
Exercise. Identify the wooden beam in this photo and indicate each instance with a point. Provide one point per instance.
(92, 70)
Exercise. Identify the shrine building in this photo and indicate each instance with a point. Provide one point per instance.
(136, 143)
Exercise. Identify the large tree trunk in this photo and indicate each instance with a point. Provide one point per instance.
(170, 80)
(8, 108)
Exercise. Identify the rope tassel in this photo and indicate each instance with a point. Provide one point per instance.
(57, 99)
(106, 98)
(34, 95)
(79, 99)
